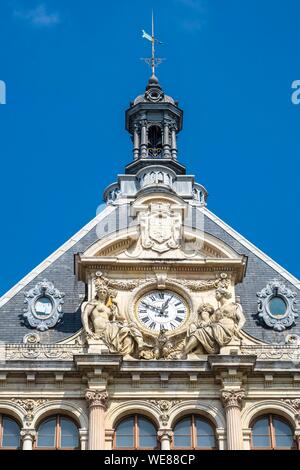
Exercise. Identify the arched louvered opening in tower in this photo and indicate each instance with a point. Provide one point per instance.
(154, 142)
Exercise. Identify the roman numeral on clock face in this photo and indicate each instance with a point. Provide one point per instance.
(145, 319)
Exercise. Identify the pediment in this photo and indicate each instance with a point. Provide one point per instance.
(124, 246)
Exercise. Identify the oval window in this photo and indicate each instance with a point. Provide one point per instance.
(43, 307)
(277, 306)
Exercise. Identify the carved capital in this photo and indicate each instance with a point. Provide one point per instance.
(28, 434)
(165, 434)
(96, 398)
(233, 398)
(143, 122)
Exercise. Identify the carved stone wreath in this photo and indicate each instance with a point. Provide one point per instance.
(44, 291)
(276, 288)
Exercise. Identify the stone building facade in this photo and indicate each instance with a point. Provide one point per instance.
(156, 325)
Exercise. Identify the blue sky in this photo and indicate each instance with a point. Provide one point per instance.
(72, 66)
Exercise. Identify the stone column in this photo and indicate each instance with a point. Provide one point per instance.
(28, 437)
(166, 143)
(173, 142)
(136, 142)
(143, 124)
(165, 438)
(97, 400)
(232, 402)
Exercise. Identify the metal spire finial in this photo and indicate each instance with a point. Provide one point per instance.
(152, 61)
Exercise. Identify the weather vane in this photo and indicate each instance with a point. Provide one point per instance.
(152, 61)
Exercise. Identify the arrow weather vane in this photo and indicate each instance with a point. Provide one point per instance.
(152, 61)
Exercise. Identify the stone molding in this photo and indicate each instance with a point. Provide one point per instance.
(42, 351)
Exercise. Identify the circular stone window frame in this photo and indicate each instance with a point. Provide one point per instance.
(277, 296)
(34, 311)
(276, 288)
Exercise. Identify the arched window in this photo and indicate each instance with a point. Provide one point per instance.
(194, 432)
(58, 432)
(271, 432)
(135, 432)
(9, 433)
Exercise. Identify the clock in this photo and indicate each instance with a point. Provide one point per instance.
(161, 309)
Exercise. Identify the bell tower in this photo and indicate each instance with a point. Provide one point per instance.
(154, 120)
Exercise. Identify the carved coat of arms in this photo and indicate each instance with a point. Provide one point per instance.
(160, 228)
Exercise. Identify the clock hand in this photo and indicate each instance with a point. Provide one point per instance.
(151, 306)
(164, 306)
(166, 303)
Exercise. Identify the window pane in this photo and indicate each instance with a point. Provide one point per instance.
(46, 434)
(284, 441)
(124, 433)
(182, 441)
(281, 428)
(183, 427)
(182, 433)
(277, 306)
(261, 441)
(148, 441)
(69, 434)
(124, 441)
(147, 433)
(261, 426)
(146, 428)
(126, 426)
(205, 433)
(11, 433)
(283, 433)
(261, 433)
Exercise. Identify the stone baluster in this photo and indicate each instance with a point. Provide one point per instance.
(97, 401)
(165, 437)
(28, 437)
(232, 402)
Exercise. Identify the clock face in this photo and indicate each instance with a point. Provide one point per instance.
(161, 309)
